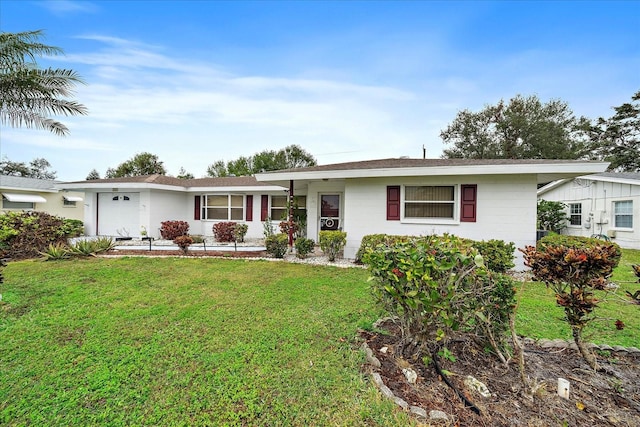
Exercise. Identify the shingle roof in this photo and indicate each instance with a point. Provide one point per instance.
(624, 175)
(9, 181)
(417, 163)
(227, 181)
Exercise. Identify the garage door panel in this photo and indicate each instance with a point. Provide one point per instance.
(118, 214)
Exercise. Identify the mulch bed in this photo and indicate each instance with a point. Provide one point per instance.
(596, 398)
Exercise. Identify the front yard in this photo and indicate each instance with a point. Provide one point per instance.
(178, 341)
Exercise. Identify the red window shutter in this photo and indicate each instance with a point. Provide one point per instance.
(393, 203)
(468, 200)
(196, 208)
(249, 209)
(264, 207)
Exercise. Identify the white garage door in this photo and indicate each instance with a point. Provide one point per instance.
(119, 214)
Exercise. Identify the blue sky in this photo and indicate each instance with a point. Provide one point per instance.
(198, 81)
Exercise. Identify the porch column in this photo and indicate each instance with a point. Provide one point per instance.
(290, 213)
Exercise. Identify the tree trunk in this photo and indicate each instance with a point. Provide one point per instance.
(584, 351)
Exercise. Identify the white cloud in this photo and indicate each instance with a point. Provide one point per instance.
(63, 7)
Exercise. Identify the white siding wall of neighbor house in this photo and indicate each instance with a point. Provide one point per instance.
(597, 200)
(506, 210)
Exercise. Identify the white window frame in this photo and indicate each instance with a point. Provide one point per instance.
(573, 214)
(286, 197)
(23, 206)
(229, 207)
(455, 219)
(616, 214)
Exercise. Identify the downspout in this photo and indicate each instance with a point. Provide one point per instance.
(290, 214)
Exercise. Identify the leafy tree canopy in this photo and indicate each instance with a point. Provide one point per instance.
(140, 164)
(94, 174)
(617, 139)
(29, 94)
(289, 157)
(523, 128)
(183, 174)
(38, 168)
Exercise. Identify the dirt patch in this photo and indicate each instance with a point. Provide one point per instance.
(609, 398)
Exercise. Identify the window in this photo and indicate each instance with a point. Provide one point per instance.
(7, 204)
(68, 203)
(429, 202)
(279, 207)
(224, 207)
(575, 214)
(623, 214)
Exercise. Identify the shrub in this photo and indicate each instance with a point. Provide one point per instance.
(84, 247)
(26, 234)
(267, 227)
(56, 251)
(577, 242)
(371, 241)
(197, 238)
(497, 254)
(183, 243)
(277, 245)
(332, 242)
(224, 231)
(303, 247)
(574, 272)
(169, 230)
(104, 244)
(239, 231)
(72, 227)
(286, 226)
(436, 285)
(551, 215)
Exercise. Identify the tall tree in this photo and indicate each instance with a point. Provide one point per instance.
(94, 174)
(29, 94)
(140, 164)
(617, 139)
(523, 128)
(183, 174)
(292, 156)
(38, 168)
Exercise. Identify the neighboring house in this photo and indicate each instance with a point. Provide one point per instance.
(126, 206)
(601, 204)
(477, 199)
(22, 194)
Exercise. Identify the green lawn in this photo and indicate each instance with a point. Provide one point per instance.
(185, 342)
(539, 317)
(178, 341)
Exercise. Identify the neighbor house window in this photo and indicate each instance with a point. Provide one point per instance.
(623, 214)
(429, 201)
(223, 207)
(279, 206)
(6, 204)
(575, 214)
(66, 202)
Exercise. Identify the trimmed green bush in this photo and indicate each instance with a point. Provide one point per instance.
(277, 245)
(437, 285)
(303, 247)
(239, 231)
(72, 227)
(370, 241)
(332, 242)
(497, 254)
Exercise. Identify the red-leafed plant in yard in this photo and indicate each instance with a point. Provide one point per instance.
(183, 243)
(169, 230)
(224, 231)
(574, 272)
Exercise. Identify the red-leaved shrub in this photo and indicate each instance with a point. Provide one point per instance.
(169, 230)
(224, 231)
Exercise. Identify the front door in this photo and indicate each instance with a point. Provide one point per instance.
(330, 217)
